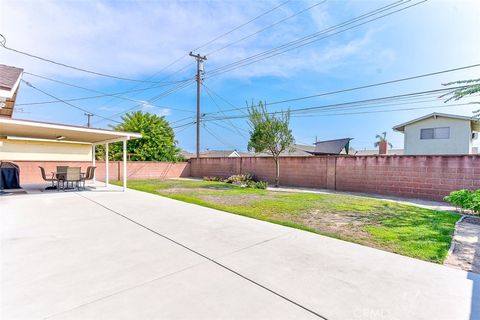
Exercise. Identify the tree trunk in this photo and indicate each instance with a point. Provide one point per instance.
(277, 172)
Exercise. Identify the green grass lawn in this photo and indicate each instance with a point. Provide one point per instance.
(408, 230)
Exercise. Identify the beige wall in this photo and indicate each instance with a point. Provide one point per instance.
(12, 149)
(460, 141)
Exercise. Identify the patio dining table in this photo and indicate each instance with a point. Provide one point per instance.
(60, 176)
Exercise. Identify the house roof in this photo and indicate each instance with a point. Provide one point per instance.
(219, 153)
(9, 83)
(211, 154)
(296, 150)
(52, 131)
(401, 127)
(331, 146)
(367, 152)
(9, 78)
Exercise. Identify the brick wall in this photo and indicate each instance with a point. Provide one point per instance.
(30, 173)
(424, 177)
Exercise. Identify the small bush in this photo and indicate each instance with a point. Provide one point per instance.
(212, 179)
(465, 199)
(247, 181)
(240, 179)
(261, 185)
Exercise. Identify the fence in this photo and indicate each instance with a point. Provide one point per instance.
(424, 177)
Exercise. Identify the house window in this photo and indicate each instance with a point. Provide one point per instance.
(474, 135)
(435, 133)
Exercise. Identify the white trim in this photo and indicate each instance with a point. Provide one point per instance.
(8, 94)
(117, 134)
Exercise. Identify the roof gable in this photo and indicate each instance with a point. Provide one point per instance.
(401, 127)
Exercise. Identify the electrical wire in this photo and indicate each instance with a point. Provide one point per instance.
(65, 65)
(312, 38)
(364, 86)
(65, 102)
(104, 94)
(265, 28)
(158, 97)
(365, 101)
(241, 26)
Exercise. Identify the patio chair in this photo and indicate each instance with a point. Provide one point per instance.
(89, 175)
(72, 176)
(52, 179)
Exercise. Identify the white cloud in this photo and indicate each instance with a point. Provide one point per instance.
(147, 107)
(136, 39)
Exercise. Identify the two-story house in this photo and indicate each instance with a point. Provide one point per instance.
(440, 133)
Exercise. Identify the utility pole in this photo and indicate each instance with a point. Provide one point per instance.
(200, 72)
(89, 115)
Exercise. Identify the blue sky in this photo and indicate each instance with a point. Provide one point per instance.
(137, 39)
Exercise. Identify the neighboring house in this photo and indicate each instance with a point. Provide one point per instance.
(440, 133)
(296, 150)
(332, 147)
(212, 154)
(372, 152)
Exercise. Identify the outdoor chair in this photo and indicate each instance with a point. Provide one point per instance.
(89, 175)
(72, 176)
(52, 179)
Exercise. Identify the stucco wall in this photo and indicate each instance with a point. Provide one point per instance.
(458, 143)
(12, 149)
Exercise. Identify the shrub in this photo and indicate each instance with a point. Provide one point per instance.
(240, 179)
(261, 185)
(212, 179)
(465, 199)
(247, 181)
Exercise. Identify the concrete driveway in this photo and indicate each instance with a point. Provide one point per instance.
(133, 255)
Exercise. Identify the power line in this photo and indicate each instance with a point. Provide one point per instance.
(374, 100)
(389, 110)
(230, 122)
(223, 99)
(106, 75)
(265, 28)
(365, 86)
(65, 102)
(218, 138)
(164, 94)
(241, 26)
(104, 94)
(312, 38)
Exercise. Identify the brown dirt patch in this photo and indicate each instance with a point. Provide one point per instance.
(233, 200)
(345, 224)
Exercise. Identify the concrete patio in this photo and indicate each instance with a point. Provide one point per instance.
(104, 254)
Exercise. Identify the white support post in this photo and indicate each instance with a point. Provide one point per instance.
(93, 163)
(106, 164)
(124, 165)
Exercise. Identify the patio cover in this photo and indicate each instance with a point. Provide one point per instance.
(55, 131)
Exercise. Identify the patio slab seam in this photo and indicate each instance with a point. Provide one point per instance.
(212, 259)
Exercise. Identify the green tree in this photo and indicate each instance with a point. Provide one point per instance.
(157, 143)
(269, 133)
(382, 138)
(468, 88)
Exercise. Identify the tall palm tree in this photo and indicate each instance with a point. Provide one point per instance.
(382, 138)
